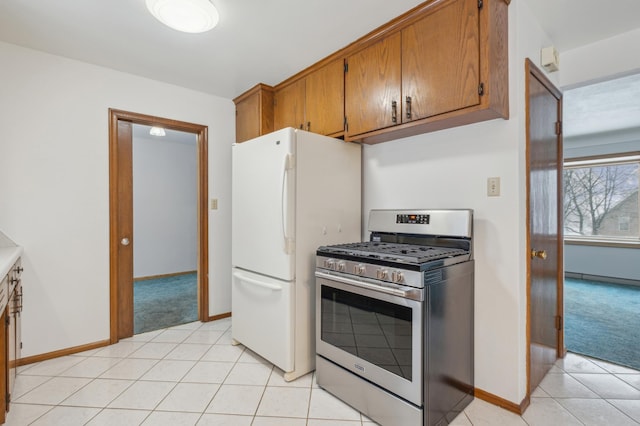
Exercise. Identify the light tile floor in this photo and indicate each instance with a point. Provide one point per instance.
(192, 375)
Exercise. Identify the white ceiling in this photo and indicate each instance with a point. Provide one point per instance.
(574, 23)
(256, 40)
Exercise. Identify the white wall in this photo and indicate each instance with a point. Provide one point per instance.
(165, 225)
(54, 181)
(610, 262)
(601, 60)
(449, 169)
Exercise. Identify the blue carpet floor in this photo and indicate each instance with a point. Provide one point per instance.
(164, 302)
(602, 320)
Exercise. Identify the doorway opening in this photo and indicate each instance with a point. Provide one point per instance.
(121, 198)
(164, 228)
(601, 219)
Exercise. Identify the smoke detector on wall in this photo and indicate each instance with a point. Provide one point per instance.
(550, 59)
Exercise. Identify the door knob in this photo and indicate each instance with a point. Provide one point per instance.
(541, 254)
(125, 241)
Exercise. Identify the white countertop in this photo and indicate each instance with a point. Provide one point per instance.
(8, 256)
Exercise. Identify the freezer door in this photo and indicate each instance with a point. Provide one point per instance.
(263, 189)
(262, 320)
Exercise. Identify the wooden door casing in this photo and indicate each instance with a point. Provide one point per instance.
(441, 61)
(121, 216)
(372, 84)
(544, 225)
(324, 99)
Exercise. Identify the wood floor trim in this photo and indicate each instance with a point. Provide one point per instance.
(220, 316)
(63, 352)
(501, 402)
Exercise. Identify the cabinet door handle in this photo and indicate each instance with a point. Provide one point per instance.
(394, 112)
(408, 101)
(308, 126)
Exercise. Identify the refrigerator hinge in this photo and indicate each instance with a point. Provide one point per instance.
(290, 162)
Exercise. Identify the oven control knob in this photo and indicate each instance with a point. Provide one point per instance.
(382, 274)
(329, 263)
(359, 269)
(397, 276)
(342, 267)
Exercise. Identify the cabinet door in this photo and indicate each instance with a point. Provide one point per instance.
(324, 99)
(372, 86)
(289, 106)
(254, 113)
(248, 118)
(440, 61)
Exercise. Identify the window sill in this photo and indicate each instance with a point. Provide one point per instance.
(601, 243)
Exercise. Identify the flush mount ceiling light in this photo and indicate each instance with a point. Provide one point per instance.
(157, 131)
(189, 16)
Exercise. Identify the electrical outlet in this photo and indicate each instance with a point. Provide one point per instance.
(493, 186)
(214, 204)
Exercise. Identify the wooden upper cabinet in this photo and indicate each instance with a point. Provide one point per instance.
(442, 64)
(324, 99)
(289, 106)
(314, 102)
(441, 61)
(254, 113)
(373, 86)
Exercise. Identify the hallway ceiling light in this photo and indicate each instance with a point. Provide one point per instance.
(157, 131)
(189, 16)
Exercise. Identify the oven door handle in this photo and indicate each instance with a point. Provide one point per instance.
(404, 292)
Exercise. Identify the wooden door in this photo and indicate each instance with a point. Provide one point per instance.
(441, 61)
(544, 220)
(289, 106)
(121, 216)
(324, 99)
(122, 237)
(372, 87)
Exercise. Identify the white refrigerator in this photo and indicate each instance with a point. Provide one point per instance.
(292, 191)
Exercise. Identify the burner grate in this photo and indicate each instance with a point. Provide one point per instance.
(393, 251)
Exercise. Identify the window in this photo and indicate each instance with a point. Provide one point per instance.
(601, 199)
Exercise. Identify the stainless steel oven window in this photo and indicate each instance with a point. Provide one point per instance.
(371, 329)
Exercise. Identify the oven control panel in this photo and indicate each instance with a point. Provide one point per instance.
(368, 270)
(420, 219)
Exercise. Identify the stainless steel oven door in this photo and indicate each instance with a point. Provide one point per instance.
(371, 331)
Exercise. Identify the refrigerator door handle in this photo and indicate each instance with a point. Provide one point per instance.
(288, 164)
(248, 280)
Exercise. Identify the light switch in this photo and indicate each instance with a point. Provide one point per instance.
(493, 186)
(214, 204)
